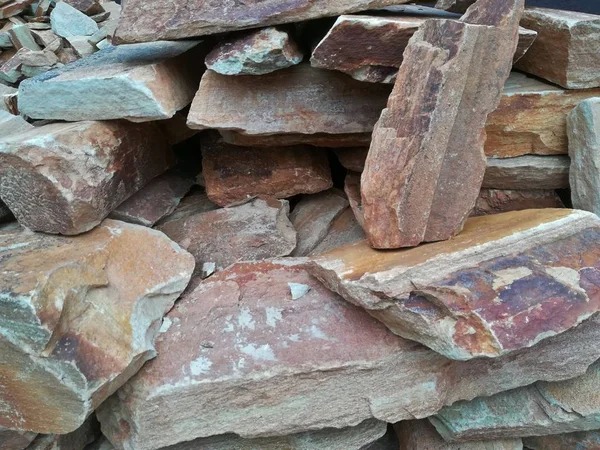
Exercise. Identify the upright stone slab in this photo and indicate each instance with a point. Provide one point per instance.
(527, 172)
(136, 82)
(66, 177)
(79, 317)
(566, 50)
(426, 161)
(583, 440)
(505, 283)
(584, 150)
(496, 201)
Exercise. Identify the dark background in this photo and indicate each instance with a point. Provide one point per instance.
(588, 6)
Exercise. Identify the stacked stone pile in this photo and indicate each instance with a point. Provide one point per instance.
(332, 225)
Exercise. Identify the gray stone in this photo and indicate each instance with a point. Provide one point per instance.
(67, 21)
(15, 440)
(527, 172)
(10, 124)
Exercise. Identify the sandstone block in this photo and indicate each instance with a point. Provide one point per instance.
(527, 172)
(495, 201)
(584, 440)
(79, 318)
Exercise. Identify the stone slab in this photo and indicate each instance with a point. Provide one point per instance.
(527, 172)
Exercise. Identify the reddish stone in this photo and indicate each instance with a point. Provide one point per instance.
(494, 201)
(279, 140)
(196, 202)
(353, 159)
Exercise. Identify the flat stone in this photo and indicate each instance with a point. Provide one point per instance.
(256, 53)
(15, 440)
(76, 440)
(10, 66)
(312, 218)
(345, 229)
(13, 8)
(256, 230)
(584, 150)
(67, 21)
(421, 435)
(81, 46)
(527, 172)
(136, 82)
(565, 51)
(316, 140)
(66, 177)
(240, 356)
(426, 161)
(495, 201)
(21, 37)
(157, 199)
(79, 317)
(538, 410)
(233, 174)
(41, 58)
(145, 20)
(583, 440)
(10, 124)
(331, 103)
(196, 202)
(505, 283)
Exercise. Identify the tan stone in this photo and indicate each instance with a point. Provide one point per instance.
(66, 177)
(426, 161)
(79, 318)
(527, 172)
(495, 201)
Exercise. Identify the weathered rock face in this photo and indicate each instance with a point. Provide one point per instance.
(527, 172)
(584, 440)
(330, 102)
(565, 51)
(426, 161)
(196, 202)
(280, 140)
(505, 283)
(256, 230)
(233, 174)
(495, 201)
(142, 21)
(78, 318)
(66, 177)
(256, 53)
(67, 21)
(76, 440)
(136, 82)
(584, 150)
(15, 440)
(10, 124)
(345, 229)
(240, 356)
(421, 435)
(537, 410)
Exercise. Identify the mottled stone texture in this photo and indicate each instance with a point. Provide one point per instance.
(495, 201)
(421, 435)
(256, 53)
(566, 49)
(583, 440)
(298, 100)
(136, 82)
(256, 230)
(505, 283)
(78, 317)
(584, 150)
(527, 172)
(240, 356)
(537, 410)
(144, 20)
(426, 161)
(65, 178)
(233, 173)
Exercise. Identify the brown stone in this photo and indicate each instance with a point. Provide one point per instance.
(256, 230)
(454, 5)
(505, 283)
(196, 202)
(66, 177)
(495, 201)
(144, 21)
(233, 174)
(297, 100)
(76, 440)
(353, 158)
(566, 50)
(583, 440)
(15, 440)
(13, 8)
(345, 229)
(527, 172)
(241, 356)
(426, 161)
(89, 7)
(279, 140)
(78, 318)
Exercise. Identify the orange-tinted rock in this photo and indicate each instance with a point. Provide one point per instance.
(566, 50)
(78, 318)
(426, 161)
(66, 177)
(240, 356)
(279, 140)
(233, 174)
(505, 283)
(527, 172)
(495, 201)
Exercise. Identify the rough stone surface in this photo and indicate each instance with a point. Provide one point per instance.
(78, 317)
(279, 140)
(141, 82)
(584, 150)
(345, 229)
(15, 440)
(89, 7)
(240, 356)
(157, 199)
(256, 53)
(76, 440)
(537, 410)
(66, 177)
(527, 172)
(426, 161)
(330, 102)
(583, 440)
(67, 21)
(14, 7)
(505, 283)
(566, 49)
(495, 201)
(196, 202)
(421, 435)
(147, 21)
(233, 174)
(255, 230)
(10, 124)
(312, 218)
